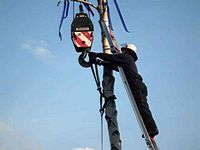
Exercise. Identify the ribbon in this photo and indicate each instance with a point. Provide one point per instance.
(64, 15)
(120, 15)
(89, 9)
(109, 18)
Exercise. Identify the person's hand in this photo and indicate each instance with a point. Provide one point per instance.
(99, 62)
(92, 56)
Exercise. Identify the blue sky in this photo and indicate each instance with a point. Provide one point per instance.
(48, 101)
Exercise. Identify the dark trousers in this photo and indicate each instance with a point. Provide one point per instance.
(139, 91)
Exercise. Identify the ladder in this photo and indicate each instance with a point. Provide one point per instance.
(150, 143)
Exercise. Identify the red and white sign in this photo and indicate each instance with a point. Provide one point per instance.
(83, 39)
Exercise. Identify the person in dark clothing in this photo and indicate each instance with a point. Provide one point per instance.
(127, 60)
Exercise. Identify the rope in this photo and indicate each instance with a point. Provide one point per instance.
(101, 109)
(101, 131)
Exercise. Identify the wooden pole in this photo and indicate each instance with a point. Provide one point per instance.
(108, 84)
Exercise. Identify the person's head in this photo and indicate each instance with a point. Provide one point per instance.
(131, 50)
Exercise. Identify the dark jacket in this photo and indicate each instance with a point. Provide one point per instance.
(137, 86)
(125, 61)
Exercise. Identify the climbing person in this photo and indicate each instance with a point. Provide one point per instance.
(127, 60)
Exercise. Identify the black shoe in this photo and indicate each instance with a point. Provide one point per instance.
(152, 134)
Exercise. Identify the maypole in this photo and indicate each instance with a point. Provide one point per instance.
(108, 83)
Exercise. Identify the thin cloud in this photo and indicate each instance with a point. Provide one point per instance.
(5, 128)
(26, 46)
(39, 49)
(11, 139)
(86, 148)
(42, 52)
